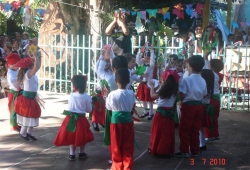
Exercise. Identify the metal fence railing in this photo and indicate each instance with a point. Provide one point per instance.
(66, 55)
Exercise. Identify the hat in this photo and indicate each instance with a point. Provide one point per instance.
(24, 63)
(25, 33)
(167, 73)
(13, 58)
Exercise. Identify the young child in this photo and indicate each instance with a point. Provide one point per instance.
(14, 87)
(121, 102)
(133, 76)
(162, 140)
(208, 110)
(179, 67)
(74, 130)
(26, 106)
(143, 91)
(170, 65)
(192, 90)
(216, 66)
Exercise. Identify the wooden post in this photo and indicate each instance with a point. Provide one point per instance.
(229, 9)
(206, 13)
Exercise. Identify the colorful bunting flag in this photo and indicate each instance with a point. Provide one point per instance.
(189, 12)
(165, 10)
(194, 14)
(139, 14)
(242, 24)
(235, 25)
(181, 15)
(152, 12)
(143, 14)
(176, 12)
(199, 8)
(133, 13)
(160, 11)
(189, 6)
(7, 7)
(167, 15)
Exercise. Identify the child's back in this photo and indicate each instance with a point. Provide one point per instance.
(80, 103)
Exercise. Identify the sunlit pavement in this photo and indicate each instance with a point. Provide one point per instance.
(230, 152)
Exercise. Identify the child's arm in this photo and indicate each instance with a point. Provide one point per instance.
(138, 59)
(152, 58)
(101, 69)
(152, 90)
(89, 105)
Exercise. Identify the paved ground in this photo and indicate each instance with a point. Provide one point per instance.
(231, 152)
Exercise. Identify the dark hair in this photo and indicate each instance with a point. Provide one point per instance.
(208, 76)
(169, 88)
(129, 56)
(196, 62)
(217, 65)
(122, 76)
(119, 62)
(220, 38)
(79, 83)
(174, 56)
(178, 61)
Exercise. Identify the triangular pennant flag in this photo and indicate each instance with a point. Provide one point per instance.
(248, 23)
(199, 8)
(194, 14)
(152, 12)
(7, 7)
(189, 12)
(176, 11)
(181, 15)
(139, 14)
(133, 13)
(189, 6)
(167, 15)
(160, 11)
(235, 25)
(242, 24)
(143, 13)
(165, 10)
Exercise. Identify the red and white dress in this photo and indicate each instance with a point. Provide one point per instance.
(78, 104)
(143, 91)
(27, 108)
(162, 139)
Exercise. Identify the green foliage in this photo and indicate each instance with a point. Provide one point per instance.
(3, 24)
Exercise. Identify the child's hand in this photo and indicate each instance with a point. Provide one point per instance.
(151, 83)
(106, 55)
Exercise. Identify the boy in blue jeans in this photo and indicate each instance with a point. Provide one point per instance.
(192, 89)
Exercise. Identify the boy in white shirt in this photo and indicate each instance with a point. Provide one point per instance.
(121, 102)
(192, 90)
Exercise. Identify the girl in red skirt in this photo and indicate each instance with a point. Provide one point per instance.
(74, 130)
(146, 58)
(14, 86)
(162, 140)
(26, 106)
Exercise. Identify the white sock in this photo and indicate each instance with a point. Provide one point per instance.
(145, 105)
(202, 137)
(151, 112)
(72, 150)
(23, 131)
(81, 150)
(30, 131)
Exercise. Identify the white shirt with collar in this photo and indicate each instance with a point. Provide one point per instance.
(193, 87)
(150, 67)
(120, 100)
(12, 80)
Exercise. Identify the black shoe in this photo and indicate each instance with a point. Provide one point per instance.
(148, 150)
(72, 157)
(82, 155)
(150, 117)
(193, 154)
(31, 137)
(102, 125)
(144, 115)
(181, 154)
(25, 137)
(203, 148)
(110, 162)
(217, 138)
(96, 128)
